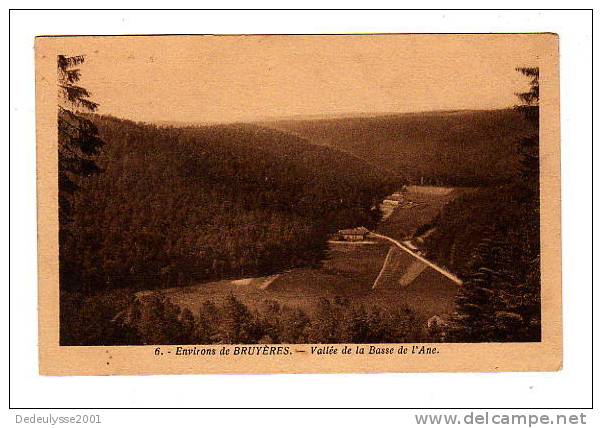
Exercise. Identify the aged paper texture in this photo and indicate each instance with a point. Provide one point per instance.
(298, 204)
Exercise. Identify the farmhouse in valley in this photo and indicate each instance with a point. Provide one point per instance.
(395, 199)
(355, 234)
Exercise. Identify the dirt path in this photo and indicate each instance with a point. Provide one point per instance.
(442, 271)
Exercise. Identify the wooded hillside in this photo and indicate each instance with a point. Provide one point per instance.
(452, 148)
(177, 205)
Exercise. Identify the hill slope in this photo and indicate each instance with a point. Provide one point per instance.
(177, 205)
(459, 148)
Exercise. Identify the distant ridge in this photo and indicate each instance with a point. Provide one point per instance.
(448, 147)
(445, 147)
(368, 115)
(321, 116)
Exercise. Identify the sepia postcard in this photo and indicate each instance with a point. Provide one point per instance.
(298, 203)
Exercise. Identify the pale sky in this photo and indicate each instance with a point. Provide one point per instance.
(244, 78)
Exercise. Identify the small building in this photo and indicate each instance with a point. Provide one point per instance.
(394, 199)
(355, 234)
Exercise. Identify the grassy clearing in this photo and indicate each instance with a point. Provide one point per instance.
(348, 271)
(429, 294)
(428, 201)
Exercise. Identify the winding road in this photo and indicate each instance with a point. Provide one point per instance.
(442, 271)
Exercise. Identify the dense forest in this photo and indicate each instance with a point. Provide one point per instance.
(491, 238)
(176, 205)
(158, 321)
(145, 207)
(449, 148)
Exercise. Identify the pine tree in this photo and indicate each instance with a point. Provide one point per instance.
(529, 289)
(500, 298)
(529, 145)
(78, 140)
(475, 316)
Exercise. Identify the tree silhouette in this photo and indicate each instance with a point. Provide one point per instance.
(529, 108)
(78, 140)
(500, 298)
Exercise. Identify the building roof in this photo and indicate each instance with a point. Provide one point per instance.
(355, 231)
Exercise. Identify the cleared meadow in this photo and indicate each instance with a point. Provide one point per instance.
(348, 271)
(424, 203)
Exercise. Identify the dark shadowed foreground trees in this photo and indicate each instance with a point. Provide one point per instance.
(529, 145)
(491, 238)
(119, 320)
(78, 141)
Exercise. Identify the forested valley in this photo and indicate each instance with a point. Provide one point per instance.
(172, 206)
(147, 207)
(177, 205)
